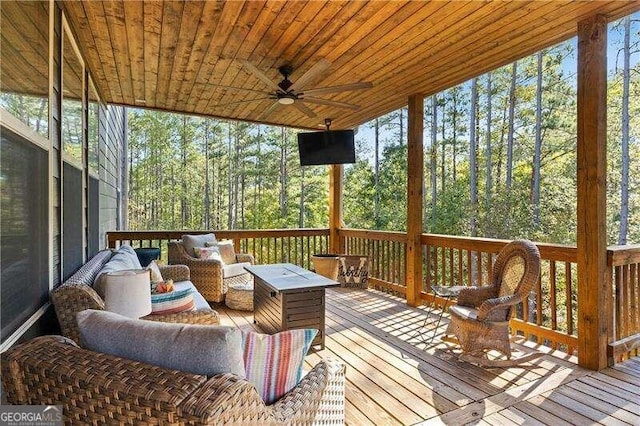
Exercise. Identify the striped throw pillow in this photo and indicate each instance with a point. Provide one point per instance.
(172, 302)
(273, 363)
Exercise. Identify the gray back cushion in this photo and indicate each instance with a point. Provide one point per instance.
(191, 241)
(196, 349)
(123, 258)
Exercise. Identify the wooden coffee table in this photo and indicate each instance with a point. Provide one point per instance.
(286, 296)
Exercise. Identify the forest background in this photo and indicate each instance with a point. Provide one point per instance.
(500, 160)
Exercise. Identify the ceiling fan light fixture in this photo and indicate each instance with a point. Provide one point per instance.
(286, 100)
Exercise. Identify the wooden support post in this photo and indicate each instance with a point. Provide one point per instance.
(594, 298)
(336, 172)
(415, 179)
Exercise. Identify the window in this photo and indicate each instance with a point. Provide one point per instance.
(24, 200)
(24, 88)
(72, 96)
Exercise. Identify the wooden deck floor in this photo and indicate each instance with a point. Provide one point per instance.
(395, 379)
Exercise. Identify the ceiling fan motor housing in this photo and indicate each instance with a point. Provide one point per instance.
(286, 71)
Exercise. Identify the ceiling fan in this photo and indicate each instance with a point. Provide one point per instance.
(294, 93)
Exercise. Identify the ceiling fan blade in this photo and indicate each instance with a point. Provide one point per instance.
(255, 71)
(342, 88)
(268, 111)
(239, 88)
(312, 73)
(330, 103)
(242, 102)
(304, 109)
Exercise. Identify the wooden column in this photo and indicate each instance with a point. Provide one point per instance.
(336, 172)
(415, 191)
(594, 298)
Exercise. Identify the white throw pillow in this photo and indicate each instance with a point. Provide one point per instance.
(207, 253)
(156, 276)
(191, 241)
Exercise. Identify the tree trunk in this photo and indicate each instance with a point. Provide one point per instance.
(236, 176)
(473, 178)
(624, 183)
(401, 126)
(207, 213)
(454, 136)
(183, 203)
(444, 147)
(535, 191)
(512, 108)
(489, 153)
(376, 176)
(283, 174)
(229, 178)
(432, 163)
(301, 212)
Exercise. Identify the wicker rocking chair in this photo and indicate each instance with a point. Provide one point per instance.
(480, 319)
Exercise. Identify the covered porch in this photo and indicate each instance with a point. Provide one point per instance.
(184, 57)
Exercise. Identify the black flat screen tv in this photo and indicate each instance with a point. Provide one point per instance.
(327, 147)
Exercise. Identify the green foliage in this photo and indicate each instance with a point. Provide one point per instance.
(193, 173)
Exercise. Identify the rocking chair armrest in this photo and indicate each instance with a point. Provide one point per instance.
(474, 296)
(490, 306)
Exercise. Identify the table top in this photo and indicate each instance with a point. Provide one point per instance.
(285, 277)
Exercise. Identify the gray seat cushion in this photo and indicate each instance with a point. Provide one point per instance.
(196, 349)
(464, 312)
(234, 269)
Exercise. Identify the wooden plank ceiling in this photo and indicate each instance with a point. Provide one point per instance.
(183, 56)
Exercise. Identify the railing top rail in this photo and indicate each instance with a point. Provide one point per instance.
(232, 233)
(623, 255)
(374, 235)
(560, 252)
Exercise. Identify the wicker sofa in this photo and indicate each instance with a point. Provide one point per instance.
(76, 294)
(96, 388)
(208, 275)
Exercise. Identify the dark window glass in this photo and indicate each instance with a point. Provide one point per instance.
(24, 202)
(94, 211)
(72, 228)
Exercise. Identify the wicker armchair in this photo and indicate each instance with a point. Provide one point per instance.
(96, 388)
(76, 295)
(207, 274)
(480, 319)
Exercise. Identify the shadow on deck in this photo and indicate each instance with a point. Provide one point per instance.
(395, 378)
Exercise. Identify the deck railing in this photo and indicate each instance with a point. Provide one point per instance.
(549, 317)
(266, 245)
(624, 276)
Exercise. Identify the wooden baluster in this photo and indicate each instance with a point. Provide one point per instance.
(469, 269)
(626, 313)
(539, 303)
(460, 275)
(633, 303)
(452, 268)
(552, 299)
(479, 261)
(443, 267)
(569, 297)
